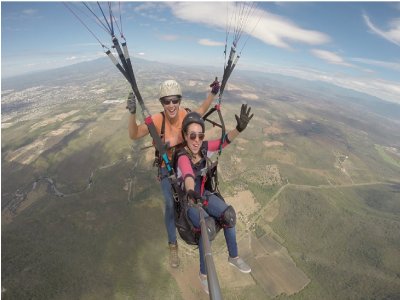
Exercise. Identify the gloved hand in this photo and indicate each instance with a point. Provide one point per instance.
(197, 198)
(131, 103)
(244, 118)
(215, 86)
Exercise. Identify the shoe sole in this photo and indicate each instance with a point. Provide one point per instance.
(246, 272)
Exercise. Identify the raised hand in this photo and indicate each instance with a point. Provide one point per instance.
(131, 103)
(244, 118)
(215, 86)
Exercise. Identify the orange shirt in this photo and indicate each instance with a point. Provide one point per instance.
(172, 132)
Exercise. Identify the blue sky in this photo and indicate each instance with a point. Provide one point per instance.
(351, 44)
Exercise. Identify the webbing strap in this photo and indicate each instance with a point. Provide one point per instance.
(157, 153)
(158, 143)
(203, 183)
(217, 108)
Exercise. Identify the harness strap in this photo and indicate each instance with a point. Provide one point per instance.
(163, 125)
(160, 146)
(203, 182)
(157, 157)
(206, 171)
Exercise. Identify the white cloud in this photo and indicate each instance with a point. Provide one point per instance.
(392, 34)
(151, 10)
(378, 63)
(271, 29)
(141, 54)
(207, 42)
(383, 89)
(29, 12)
(31, 65)
(147, 6)
(169, 37)
(71, 58)
(330, 57)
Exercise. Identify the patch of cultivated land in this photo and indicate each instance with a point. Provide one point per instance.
(27, 154)
(273, 270)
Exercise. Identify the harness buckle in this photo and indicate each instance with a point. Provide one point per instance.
(156, 162)
(203, 172)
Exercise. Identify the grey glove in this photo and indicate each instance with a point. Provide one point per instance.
(131, 103)
(244, 118)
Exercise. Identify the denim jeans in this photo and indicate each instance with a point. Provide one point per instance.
(169, 217)
(215, 208)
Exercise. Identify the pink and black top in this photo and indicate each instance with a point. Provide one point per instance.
(186, 168)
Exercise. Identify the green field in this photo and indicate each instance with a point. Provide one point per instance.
(345, 243)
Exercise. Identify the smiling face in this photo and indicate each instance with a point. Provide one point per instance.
(194, 137)
(171, 106)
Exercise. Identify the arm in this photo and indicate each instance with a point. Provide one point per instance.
(213, 145)
(206, 104)
(242, 122)
(185, 167)
(189, 183)
(210, 98)
(187, 172)
(232, 135)
(135, 131)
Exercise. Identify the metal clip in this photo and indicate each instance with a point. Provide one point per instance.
(203, 172)
(156, 162)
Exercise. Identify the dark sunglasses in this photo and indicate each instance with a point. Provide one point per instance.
(193, 135)
(168, 101)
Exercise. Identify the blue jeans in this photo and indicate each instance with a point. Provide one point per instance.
(215, 208)
(169, 217)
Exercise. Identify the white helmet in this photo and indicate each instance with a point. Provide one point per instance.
(170, 88)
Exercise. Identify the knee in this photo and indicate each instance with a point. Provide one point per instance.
(228, 217)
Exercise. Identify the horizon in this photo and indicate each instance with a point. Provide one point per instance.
(317, 42)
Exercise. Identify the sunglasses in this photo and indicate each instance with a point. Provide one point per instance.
(193, 135)
(168, 101)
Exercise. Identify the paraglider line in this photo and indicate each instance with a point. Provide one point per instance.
(105, 19)
(97, 18)
(66, 5)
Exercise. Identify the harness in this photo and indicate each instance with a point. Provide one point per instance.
(206, 170)
(158, 159)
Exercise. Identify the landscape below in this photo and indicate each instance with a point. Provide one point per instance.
(315, 181)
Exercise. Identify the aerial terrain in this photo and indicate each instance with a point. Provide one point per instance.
(315, 181)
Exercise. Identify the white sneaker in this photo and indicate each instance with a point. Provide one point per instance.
(204, 282)
(240, 264)
(173, 255)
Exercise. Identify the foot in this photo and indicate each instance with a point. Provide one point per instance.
(204, 282)
(240, 264)
(173, 255)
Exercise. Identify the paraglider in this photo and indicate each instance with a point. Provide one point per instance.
(104, 16)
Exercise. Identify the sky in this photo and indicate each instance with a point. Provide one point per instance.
(354, 45)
